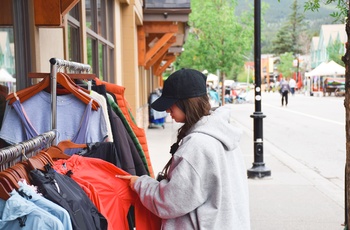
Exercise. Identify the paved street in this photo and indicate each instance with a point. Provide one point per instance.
(310, 130)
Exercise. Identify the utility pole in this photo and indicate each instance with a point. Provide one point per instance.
(258, 170)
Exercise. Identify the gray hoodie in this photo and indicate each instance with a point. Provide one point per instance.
(208, 186)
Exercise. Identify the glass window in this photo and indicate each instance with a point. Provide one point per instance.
(74, 44)
(7, 58)
(99, 43)
(73, 30)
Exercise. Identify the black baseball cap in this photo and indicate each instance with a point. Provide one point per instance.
(182, 84)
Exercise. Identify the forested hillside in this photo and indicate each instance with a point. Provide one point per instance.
(275, 13)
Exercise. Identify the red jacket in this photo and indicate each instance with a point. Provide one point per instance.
(112, 195)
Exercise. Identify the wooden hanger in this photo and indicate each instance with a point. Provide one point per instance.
(56, 153)
(47, 157)
(28, 92)
(82, 76)
(10, 178)
(36, 162)
(68, 144)
(4, 194)
(13, 173)
(6, 184)
(22, 170)
(70, 80)
(63, 80)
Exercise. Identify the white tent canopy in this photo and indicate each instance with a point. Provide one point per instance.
(213, 79)
(5, 76)
(327, 69)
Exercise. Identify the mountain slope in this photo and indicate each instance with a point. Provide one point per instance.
(277, 13)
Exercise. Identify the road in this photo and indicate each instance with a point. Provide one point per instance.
(310, 129)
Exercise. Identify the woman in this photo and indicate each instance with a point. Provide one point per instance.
(204, 185)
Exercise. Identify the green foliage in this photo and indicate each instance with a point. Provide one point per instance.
(335, 52)
(285, 66)
(288, 38)
(341, 5)
(283, 41)
(245, 75)
(217, 39)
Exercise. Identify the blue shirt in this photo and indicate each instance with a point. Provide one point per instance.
(17, 210)
(47, 205)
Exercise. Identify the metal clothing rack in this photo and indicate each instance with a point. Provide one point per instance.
(13, 154)
(56, 64)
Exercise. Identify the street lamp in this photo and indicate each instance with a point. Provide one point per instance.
(258, 170)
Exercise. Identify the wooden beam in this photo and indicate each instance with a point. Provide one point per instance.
(50, 13)
(6, 17)
(160, 27)
(160, 43)
(47, 13)
(156, 65)
(67, 5)
(141, 45)
(161, 69)
(160, 53)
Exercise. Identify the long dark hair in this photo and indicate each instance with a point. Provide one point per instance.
(194, 108)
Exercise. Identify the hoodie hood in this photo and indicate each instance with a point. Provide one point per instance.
(219, 125)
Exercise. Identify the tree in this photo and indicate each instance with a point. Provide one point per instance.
(283, 41)
(285, 67)
(335, 52)
(288, 37)
(217, 39)
(342, 15)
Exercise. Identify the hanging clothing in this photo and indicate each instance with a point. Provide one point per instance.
(130, 157)
(65, 192)
(40, 201)
(17, 213)
(102, 150)
(70, 111)
(114, 193)
(103, 102)
(124, 106)
(125, 151)
(131, 133)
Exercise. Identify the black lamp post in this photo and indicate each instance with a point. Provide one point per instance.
(258, 170)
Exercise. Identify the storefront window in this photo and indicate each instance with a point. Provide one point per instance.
(7, 59)
(99, 41)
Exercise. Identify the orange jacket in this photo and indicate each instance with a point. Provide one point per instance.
(114, 194)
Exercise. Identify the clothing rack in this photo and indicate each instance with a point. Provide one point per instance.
(18, 152)
(56, 64)
(12, 154)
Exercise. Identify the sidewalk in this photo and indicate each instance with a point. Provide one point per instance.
(293, 198)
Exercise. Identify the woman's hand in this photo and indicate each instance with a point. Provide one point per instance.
(132, 180)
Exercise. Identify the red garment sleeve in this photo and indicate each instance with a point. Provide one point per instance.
(114, 194)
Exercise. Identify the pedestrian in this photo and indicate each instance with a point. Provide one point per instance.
(204, 185)
(284, 90)
(292, 85)
(308, 87)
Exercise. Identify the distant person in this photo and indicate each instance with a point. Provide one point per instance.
(284, 90)
(292, 85)
(308, 87)
(272, 86)
(204, 185)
